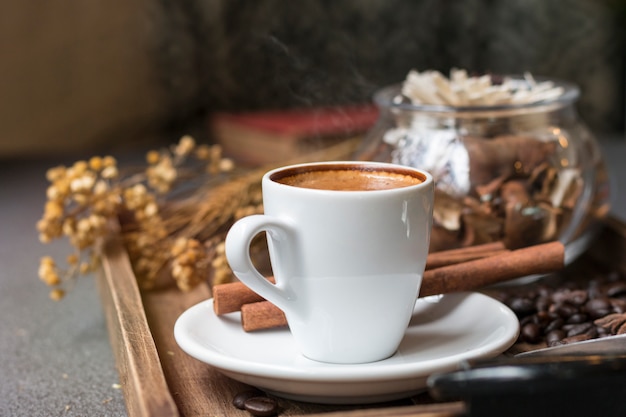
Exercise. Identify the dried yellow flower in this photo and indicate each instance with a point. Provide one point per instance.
(56, 173)
(53, 210)
(51, 279)
(48, 271)
(185, 146)
(162, 175)
(72, 259)
(44, 238)
(150, 209)
(96, 163)
(226, 165)
(153, 157)
(109, 161)
(57, 294)
(218, 262)
(189, 263)
(109, 172)
(54, 192)
(83, 183)
(78, 168)
(222, 276)
(47, 260)
(203, 152)
(84, 267)
(179, 246)
(100, 188)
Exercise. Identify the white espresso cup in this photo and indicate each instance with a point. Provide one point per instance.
(347, 243)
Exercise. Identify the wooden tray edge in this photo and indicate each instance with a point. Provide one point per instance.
(144, 385)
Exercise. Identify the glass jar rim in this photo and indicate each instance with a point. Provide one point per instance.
(384, 99)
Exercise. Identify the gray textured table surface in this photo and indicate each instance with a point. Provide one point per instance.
(55, 358)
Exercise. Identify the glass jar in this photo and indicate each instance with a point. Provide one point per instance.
(521, 174)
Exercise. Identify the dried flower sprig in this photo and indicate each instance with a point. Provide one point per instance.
(86, 201)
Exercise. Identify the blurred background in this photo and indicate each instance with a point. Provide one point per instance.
(98, 76)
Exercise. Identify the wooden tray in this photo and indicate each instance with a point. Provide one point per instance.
(160, 380)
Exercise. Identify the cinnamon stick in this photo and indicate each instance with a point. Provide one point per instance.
(454, 256)
(471, 275)
(261, 315)
(537, 259)
(228, 298)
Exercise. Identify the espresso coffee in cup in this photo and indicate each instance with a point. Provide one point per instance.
(348, 178)
(348, 243)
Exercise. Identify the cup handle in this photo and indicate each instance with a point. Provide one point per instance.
(238, 242)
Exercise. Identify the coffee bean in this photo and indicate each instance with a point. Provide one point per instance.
(577, 329)
(554, 337)
(544, 317)
(555, 324)
(543, 303)
(577, 318)
(598, 307)
(578, 297)
(574, 297)
(564, 310)
(261, 406)
(531, 333)
(558, 296)
(616, 289)
(553, 315)
(528, 319)
(240, 399)
(522, 306)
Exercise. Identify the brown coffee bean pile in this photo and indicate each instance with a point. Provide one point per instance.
(256, 403)
(571, 311)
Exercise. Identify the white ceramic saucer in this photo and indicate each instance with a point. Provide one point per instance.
(444, 331)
